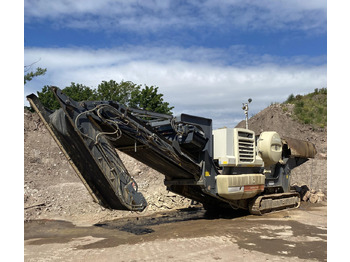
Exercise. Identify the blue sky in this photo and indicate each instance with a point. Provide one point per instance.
(207, 57)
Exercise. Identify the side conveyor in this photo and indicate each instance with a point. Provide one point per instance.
(89, 133)
(97, 164)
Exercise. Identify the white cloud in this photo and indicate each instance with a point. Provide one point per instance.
(150, 16)
(191, 83)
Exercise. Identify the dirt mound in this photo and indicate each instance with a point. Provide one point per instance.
(279, 118)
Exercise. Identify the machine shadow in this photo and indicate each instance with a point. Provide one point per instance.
(141, 225)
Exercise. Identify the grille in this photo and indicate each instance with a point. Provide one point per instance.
(246, 147)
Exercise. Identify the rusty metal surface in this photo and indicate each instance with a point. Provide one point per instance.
(300, 148)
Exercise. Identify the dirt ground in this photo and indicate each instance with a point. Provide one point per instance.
(185, 235)
(56, 203)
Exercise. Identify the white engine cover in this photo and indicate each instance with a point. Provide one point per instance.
(270, 147)
(236, 147)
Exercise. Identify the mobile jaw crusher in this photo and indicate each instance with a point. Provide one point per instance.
(223, 168)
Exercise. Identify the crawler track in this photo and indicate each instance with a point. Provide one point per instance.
(274, 202)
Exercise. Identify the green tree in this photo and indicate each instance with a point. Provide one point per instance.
(125, 92)
(29, 76)
(149, 99)
(132, 95)
(47, 98)
(119, 92)
(77, 92)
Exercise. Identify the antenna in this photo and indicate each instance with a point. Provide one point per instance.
(246, 108)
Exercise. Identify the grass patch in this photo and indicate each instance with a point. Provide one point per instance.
(311, 108)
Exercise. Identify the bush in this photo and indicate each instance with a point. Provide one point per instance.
(290, 99)
(310, 108)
